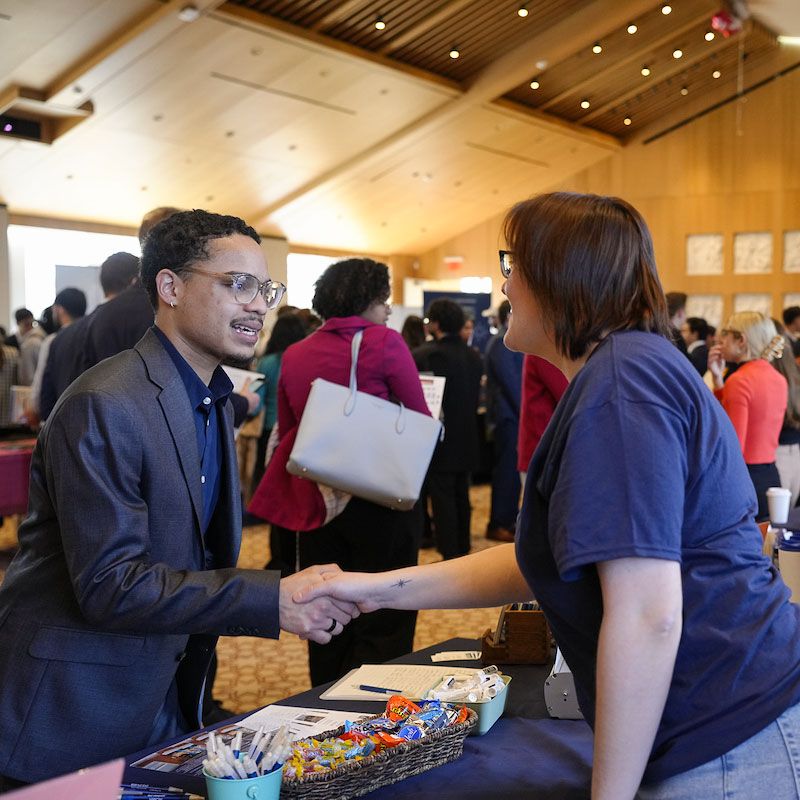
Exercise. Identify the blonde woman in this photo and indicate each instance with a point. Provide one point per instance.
(754, 396)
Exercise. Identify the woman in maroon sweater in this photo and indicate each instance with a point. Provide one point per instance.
(754, 396)
(350, 296)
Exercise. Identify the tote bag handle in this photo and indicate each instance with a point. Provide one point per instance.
(350, 404)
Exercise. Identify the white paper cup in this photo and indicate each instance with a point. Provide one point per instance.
(778, 502)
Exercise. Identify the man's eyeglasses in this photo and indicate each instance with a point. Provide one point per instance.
(506, 263)
(245, 287)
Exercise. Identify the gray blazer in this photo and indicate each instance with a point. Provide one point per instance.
(113, 593)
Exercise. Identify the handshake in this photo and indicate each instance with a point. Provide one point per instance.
(318, 602)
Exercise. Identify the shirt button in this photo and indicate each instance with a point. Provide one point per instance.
(206, 401)
(208, 422)
(202, 479)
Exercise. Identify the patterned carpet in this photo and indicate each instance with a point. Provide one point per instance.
(254, 672)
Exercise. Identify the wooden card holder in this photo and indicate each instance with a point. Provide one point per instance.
(525, 639)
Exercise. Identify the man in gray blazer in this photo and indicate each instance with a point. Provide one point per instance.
(126, 573)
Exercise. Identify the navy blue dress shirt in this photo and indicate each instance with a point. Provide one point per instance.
(207, 402)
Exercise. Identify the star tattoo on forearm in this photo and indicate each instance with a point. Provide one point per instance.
(401, 583)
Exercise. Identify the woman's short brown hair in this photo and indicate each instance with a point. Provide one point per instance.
(589, 262)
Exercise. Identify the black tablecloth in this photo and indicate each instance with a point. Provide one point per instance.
(525, 754)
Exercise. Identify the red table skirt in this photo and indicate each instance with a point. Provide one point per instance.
(15, 467)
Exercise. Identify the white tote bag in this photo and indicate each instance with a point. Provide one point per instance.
(363, 445)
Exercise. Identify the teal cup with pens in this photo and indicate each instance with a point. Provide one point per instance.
(262, 787)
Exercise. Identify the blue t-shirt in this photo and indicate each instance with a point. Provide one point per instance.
(639, 459)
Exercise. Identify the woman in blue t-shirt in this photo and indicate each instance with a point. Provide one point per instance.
(636, 532)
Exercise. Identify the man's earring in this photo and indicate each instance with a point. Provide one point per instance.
(173, 304)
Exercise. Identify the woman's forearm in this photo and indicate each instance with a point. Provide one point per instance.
(635, 659)
(488, 578)
(485, 579)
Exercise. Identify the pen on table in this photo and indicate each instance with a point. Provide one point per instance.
(158, 791)
(158, 796)
(148, 789)
(378, 689)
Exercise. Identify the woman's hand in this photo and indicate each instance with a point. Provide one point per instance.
(716, 364)
(359, 588)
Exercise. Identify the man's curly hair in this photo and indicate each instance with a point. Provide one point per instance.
(348, 288)
(181, 240)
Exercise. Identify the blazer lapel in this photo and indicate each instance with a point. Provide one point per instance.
(178, 414)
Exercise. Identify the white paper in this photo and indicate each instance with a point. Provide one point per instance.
(433, 389)
(410, 680)
(302, 722)
(456, 655)
(243, 378)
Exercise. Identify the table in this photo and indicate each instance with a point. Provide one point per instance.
(525, 755)
(15, 466)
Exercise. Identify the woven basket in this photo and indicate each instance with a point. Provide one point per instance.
(356, 778)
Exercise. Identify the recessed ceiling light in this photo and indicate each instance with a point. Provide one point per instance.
(627, 121)
(522, 11)
(632, 28)
(677, 53)
(541, 63)
(597, 48)
(585, 104)
(684, 90)
(666, 9)
(716, 74)
(645, 70)
(454, 53)
(189, 13)
(379, 24)
(709, 36)
(534, 84)
(8, 127)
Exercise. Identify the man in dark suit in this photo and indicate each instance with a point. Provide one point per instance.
(676, 308)
(458, 454)
(125, 575)
(694, 332)
(503, 396)
(67, 354)
(791, 321)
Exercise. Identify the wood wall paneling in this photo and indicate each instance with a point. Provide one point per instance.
(733, 170)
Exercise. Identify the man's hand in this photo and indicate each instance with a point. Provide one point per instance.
(313, 619)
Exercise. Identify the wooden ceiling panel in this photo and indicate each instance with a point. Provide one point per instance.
(481, 32)
(304, 118)
(36, 39)
(474, 166)
(622, 55)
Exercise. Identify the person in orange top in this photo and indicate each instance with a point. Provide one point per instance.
(755, 396)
